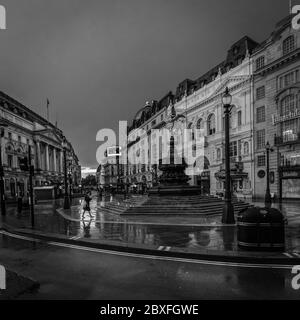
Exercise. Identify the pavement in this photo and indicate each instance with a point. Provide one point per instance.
(198, 237)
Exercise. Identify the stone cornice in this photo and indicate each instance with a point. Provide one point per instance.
(273, 66)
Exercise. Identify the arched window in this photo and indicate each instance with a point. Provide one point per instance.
(246, 148)
(200, 124)
(289, 127)
(288, 45)
(200, 127)
(288, 105)
(191, 131)
(211, 124)
(232, 117)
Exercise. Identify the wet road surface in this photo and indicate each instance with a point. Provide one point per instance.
(66, 273)
(195, 233)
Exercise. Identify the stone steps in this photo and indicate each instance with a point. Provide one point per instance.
(180, 212)
(183, 205)
(170, 206)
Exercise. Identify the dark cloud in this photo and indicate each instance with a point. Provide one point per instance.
(99, 61)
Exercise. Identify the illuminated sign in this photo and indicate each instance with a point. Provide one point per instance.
(114, 151)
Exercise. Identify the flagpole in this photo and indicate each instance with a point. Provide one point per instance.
(48, 110)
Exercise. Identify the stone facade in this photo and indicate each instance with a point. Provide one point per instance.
(277, 111)
(24, 128)
(199, 103)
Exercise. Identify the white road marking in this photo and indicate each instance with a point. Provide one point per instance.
(75, 238)
(153, 257)
(160, 248)
(167, 248)
(288, 255)
(296, 254)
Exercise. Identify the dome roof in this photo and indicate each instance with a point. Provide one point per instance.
(146, 108)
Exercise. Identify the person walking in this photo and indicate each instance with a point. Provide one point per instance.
(86, 207)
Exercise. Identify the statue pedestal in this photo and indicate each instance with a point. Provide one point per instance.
(173, 180)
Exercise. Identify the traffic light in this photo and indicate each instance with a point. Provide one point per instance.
(24, 164)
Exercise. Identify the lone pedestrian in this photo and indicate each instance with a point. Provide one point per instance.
(87, 200)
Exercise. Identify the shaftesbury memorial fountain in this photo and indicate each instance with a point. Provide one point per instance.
(173, 180)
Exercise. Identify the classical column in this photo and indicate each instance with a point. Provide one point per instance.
(47, 156)
(3, 150)
(61, 157)
(38, 154)
(54, 160)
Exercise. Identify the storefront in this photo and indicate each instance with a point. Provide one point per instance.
(289, 175)
(289, 183)
(203, 181)
(239, 180)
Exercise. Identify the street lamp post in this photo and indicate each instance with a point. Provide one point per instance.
(228, 211)
(2, 193)
(66, 196)
(268, 199)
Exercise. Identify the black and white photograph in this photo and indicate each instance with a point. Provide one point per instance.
(149, 156)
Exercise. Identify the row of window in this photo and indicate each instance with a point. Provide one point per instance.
(19, 138)
(288, 79)
(211, 123)
(235, 149)
(288, 45)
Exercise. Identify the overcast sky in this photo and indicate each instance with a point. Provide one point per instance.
(99, 61)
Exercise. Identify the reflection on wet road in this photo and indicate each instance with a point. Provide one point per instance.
(198, 232)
